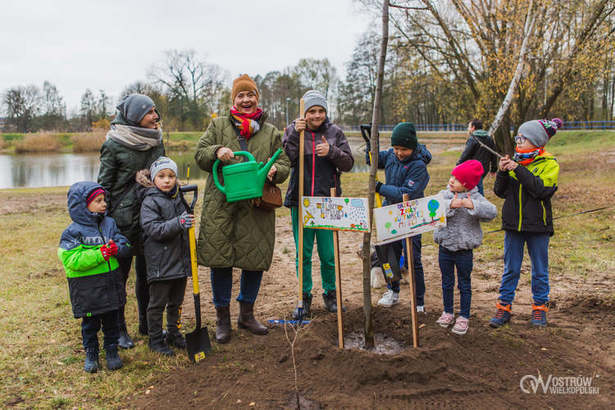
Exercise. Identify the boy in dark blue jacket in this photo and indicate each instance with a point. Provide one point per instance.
(88, 251)
(405, 169)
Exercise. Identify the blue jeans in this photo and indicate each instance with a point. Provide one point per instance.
(419, 276)
(463, 260)
(538, 248)
(90, 325)
(222, 285)
(481, 188)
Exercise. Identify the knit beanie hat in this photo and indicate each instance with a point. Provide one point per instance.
(312, 98)
(243, 83)
(160, 164)
(404, 135)
(133, 108)
(539, 132)
(468, 173)
(92, 195)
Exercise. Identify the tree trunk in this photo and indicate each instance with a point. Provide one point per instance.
(375, 144)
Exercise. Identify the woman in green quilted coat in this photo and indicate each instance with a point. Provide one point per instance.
(238, 234)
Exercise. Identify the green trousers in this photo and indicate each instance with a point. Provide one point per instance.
(324, 242)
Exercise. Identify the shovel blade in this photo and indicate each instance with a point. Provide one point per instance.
(198, 344)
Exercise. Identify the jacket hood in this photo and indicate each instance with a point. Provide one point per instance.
(420, 153)
(77, 207)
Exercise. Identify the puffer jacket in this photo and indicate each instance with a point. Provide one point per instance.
(462, 230)
(165, 241)
(237, 234)
(320, 173)
(95, 285)
(473, 150)
(527, 193)
(404, 177)
(118, 167)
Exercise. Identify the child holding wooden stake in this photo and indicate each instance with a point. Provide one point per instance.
(405, 169)
(527, 182)
(327, 155)
(466, 209)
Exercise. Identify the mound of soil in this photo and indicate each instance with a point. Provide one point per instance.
(482, 368)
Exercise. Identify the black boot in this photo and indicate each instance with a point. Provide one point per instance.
(160, 345)
(125, 342)
(113, 359)
(91, 361)
(143, 325)
(307, 308)
(223, 324)
(330, 299)
(246, 319)
(176, 339)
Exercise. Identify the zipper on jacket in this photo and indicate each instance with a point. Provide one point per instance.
(520, 208)
(544, 212)
(103, 239)
(313, 161)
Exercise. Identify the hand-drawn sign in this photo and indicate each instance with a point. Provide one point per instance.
(336, 213)
(404, 219)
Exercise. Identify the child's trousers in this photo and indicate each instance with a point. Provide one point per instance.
(463, 260)
(90, 325)
(169, 294)
(326, 253)
(419, 276)
(538, 249)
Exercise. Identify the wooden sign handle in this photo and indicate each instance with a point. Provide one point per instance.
(300, 209)
(338, 285)
(410, 260)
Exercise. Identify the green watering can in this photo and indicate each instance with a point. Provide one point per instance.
(244, 180)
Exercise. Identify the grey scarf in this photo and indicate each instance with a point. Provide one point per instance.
(137, 138)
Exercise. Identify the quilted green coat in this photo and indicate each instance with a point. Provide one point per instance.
(237, 234)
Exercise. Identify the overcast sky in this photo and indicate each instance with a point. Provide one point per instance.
(79, 44)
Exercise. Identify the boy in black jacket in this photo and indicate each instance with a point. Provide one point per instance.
(165, 222)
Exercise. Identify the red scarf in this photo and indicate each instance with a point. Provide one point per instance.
(247, 124)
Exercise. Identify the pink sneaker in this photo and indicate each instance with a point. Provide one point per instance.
(446, 319)
(461, 326)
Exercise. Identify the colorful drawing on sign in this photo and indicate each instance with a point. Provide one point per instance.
(340, 214)
(398, 221)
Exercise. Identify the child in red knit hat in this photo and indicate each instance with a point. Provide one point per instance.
(466, 209)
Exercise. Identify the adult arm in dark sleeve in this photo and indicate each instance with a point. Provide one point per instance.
(468, 151)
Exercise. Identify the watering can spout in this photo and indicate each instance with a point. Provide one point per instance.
(264, 168)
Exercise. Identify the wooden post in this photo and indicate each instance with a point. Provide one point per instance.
(410, 259)
(300, 214)
(338, 285)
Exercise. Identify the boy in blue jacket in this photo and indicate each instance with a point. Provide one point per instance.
(405, 169)
(88, 251)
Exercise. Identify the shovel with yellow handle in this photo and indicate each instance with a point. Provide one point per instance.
(197, 341)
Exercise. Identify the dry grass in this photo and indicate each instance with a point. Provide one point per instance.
(38, 142)
(2, 143)
(89, 141)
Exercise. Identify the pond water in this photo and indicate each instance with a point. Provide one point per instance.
(48, 170)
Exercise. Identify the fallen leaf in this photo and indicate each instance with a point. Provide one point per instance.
(422, 325)
(543, 348)
(238, 401)
(147, 391)
(252, 404)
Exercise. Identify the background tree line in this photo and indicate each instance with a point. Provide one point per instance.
(448, 61)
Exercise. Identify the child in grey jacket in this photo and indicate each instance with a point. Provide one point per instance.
(466, 208)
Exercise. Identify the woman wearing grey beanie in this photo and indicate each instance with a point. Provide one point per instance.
(133, 143)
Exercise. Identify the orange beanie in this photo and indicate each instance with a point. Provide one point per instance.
(243, 83)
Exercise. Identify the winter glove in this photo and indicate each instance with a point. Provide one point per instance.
(186, 220)
(378, 185)
(112, 247)
(106, 252)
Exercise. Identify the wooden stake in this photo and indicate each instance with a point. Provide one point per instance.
(338, 285)
(410, 259)
(300, 211)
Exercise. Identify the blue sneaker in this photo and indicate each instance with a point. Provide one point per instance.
(502, 315)
(539, 315)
